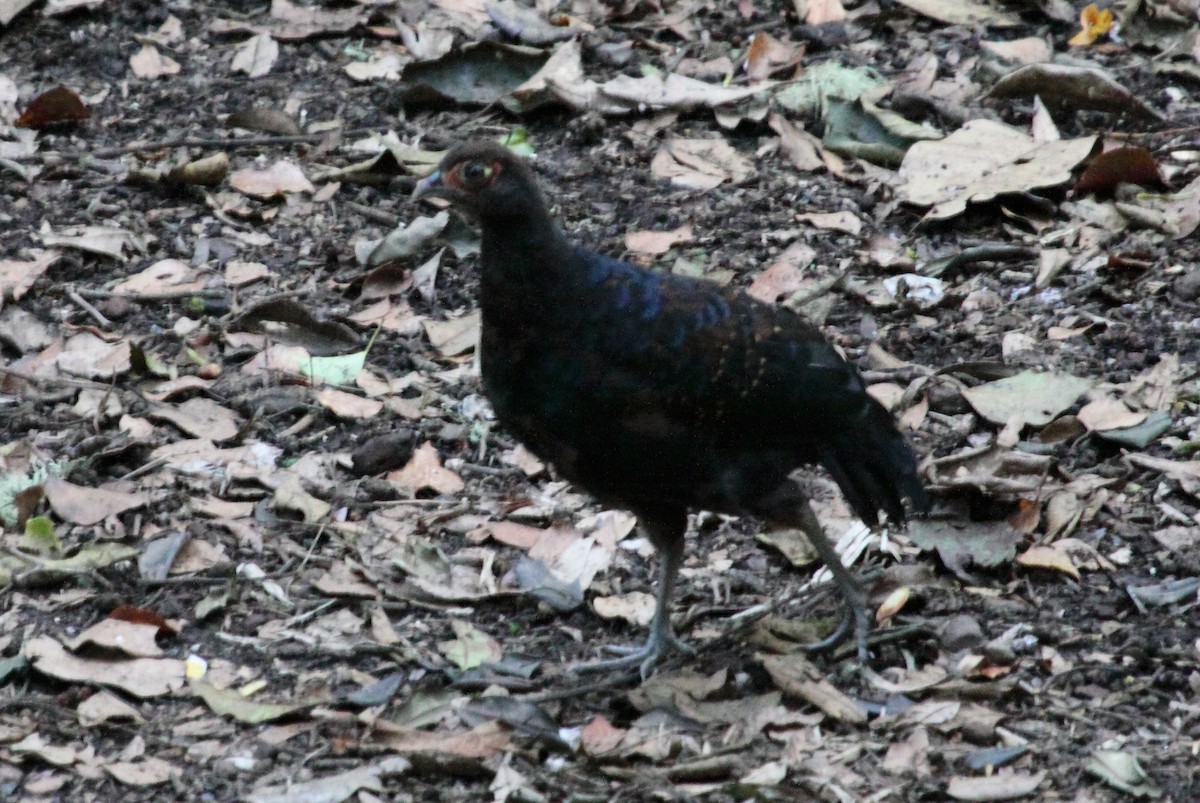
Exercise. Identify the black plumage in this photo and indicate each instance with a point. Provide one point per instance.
(659, 393)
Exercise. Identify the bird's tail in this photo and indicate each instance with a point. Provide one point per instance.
(875, 467)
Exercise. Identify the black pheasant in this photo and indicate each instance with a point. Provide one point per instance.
(659, 393)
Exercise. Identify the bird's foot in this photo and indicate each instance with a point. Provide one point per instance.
(857, 619)
(644, 657)
(672, 641)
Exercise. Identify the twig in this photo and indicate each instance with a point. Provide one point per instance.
(904, 373)
(992, 252)
(379, 216)
(97, 316)
(215, 142)
(162, 295)
(42, 381)
(490, 471)
(145, 468)
(579, 689)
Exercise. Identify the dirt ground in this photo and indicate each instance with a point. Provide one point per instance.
(338, 613)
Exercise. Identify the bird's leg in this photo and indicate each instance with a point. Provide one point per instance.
(662, 638)
(661, 631)
(852, 592)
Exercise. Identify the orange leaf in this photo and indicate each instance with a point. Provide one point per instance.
(1093, 24)
(59, 105)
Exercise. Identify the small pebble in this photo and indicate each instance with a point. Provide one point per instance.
(1187, 286)
(961, 632)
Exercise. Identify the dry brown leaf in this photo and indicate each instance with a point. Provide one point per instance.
(348, 405)
(17, 276)
(86, 355)
(969, 13)
(1005, 785)
(784, 276)
(600, 736)
(239, 273)
(166, 275)
(700, 164)
(291, 495)
(1048, 557)
(131, 638)
(801, 148)
(199, 457)
(455, 336)
(819, 12)
(197, 555)
(201, 418)
(141, 677)
(636, 607)
(148, 771)
(836, 221)
(1177, 469)
(981, 160)
(394, 315)
(1030, 50)
(425, 472)
(77, 504)
(657, 242)
(104, 706)
(149, 63)
(794, 675)
(277, 180)
(484, 741)
(256, 56)
(1108, 413)
(523, 459)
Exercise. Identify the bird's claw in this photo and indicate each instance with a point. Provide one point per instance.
(855, 619)
(644, 657)
(672, 641)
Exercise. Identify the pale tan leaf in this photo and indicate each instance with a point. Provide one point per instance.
(636, 607)
(201, 418)
(132, 638)
(141, 677)
(81, 505)
(348, 405)
(279, 179)
(1048, 557)
(425, 471)
(454, 336)
(256, 56)
(149, 63)
(657, 242)
(17, 276)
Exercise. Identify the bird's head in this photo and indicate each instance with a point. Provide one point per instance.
(485, 179)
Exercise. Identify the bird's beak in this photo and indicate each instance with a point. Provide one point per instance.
(431, 185)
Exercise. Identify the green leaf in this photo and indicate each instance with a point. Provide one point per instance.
(40, 537)
(518, 142)
(339, 370)
(243, 709)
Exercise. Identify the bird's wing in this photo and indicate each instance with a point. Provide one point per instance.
(705, 357)
(673, 363)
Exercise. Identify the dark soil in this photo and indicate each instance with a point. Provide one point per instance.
(1068, 666)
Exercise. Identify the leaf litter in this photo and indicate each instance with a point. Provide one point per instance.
(186, 297)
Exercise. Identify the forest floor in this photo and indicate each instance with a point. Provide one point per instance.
(263, 542)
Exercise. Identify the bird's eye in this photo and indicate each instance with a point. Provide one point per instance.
(475, 173)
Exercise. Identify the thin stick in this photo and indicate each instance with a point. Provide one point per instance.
(218, 142)
(83, 304)
(163, 295)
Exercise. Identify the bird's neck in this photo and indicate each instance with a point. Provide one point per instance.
(525, 256)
